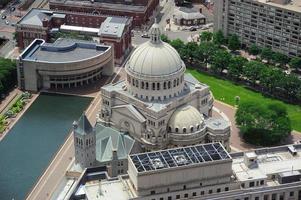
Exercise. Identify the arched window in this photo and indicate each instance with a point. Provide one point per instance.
(154, 86)
(177, 130)
(142, 85)
(177, 81)
(87, 142)
(198, 127)
(169, 84)
(184, 130)
(164, 86)
(174, 83)
(146, 85)
(133, 82)
(169, 129)
(137, 83)
(191, 129)
(158, 86)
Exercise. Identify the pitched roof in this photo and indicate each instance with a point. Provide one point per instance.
(83, 125)
(108, 140)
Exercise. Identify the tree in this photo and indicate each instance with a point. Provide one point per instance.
(295, 63)
(252, 70)
(206, 36)
(205, 51)
(233, 42)
(280, 58)
(254, 50)
(164, 38)
(220, 60)
(267, 54)
(263, 124)
(218, 38)
(236, 67)
(8, 75)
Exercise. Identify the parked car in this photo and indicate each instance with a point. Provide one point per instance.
(192, 28)
(6, 22)
(145, 35)
(12, 9)
(3, 17)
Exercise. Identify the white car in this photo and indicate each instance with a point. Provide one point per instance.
(6, 22)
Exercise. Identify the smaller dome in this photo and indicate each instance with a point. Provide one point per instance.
(186, 119)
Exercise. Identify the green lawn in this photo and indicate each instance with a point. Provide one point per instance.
(226, 91)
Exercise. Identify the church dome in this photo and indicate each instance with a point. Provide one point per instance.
(186, 119)
(155, 57)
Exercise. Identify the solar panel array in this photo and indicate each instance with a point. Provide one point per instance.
(176, 157)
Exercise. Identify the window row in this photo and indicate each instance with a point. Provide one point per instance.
(185, 130)
(155, 85)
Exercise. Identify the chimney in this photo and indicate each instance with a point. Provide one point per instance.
(45, 22)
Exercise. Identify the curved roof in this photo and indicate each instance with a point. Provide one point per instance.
(155, 58)
(185, 117)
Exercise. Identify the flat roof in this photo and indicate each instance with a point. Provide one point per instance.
(109, 6)
(269, 163)
(113, 26)
(294, 5)
(79, 29)
(177, 157)
(62, 50)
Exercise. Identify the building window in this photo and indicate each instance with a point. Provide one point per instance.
(262, 182)
(153, 192)
(218, 190)
(191, 129)
(177, 130)
(291, 194)
(142, 85)
(226, 189)
(185, 195)
(158, 86)
(210, 191)
(194, 194)
(184, 187)
(169, 85)
(169, 198)
(154, 86)
(202, 192)
(146, 85)
(252, 184)
(184, 130)
(178, 196)
(256, 198)
(164, 86)
(161, 198)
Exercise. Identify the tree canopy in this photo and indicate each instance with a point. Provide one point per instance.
(263, 124)
(8, 75)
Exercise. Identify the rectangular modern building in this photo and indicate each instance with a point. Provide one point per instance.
(267, 23)
(205, 171)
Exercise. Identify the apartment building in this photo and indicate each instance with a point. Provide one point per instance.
(267, 23)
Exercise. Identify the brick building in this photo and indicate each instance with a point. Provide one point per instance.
(40, 23)
(142, 11)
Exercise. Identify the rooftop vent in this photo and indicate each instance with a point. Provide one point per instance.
(157, 163)
(250, 159)
(180, 159)
(292, 150)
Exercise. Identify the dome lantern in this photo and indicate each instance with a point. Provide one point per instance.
(155, 33)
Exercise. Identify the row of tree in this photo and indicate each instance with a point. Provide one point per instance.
(263, 124)
(8, 75)
(261, 76)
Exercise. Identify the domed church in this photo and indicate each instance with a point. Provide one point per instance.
(158, 104)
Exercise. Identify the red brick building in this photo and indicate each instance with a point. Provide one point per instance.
(140, 10)
(40, 23)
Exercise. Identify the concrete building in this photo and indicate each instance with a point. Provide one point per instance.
(202, 172)
(274, 24)
(43, 24)
(143, 12)
(158, 104)
(64, 63)
(101, 146)
(188, 17)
